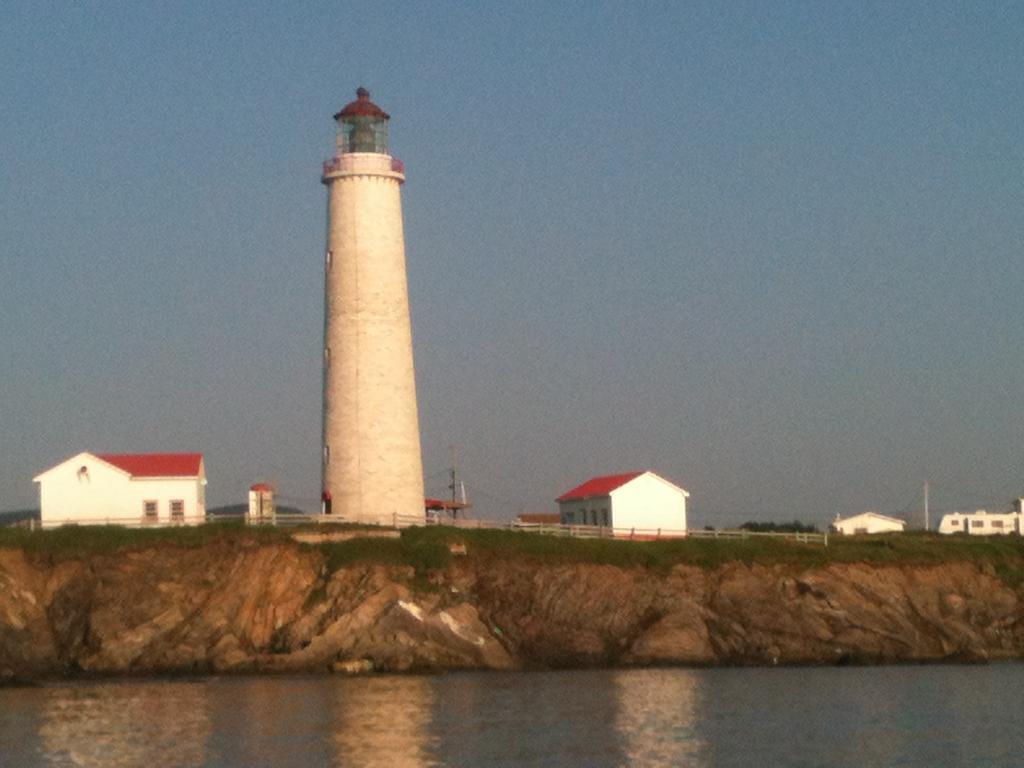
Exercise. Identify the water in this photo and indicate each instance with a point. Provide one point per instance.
(857, 717)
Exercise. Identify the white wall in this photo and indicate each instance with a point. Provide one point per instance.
(105, 493)
(372, 465)
(982, 523)
(870, 524)
(261, 507)
(649, 502)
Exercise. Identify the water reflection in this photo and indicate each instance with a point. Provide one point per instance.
(658, 712)
(384, 721)
(532, 719)
(918, 717)
(125, 725)
(280, 722)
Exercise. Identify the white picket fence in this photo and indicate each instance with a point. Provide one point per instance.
(568, 531)
(122, 522)
(632, 534)
(543, 529)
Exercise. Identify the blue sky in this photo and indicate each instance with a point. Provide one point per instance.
(770, 250)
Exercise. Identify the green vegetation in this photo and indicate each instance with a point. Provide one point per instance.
(427, 549)
(72, 541)
(423, 553)
(794, 527)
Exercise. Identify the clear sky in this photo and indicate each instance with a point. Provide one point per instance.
(773, 251)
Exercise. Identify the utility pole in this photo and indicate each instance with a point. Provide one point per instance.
(927, 527)
(454, 483)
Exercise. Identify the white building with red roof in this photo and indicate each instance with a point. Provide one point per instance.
(124, 489)
(634, 502)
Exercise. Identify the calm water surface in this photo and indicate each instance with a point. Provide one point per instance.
(890, 716)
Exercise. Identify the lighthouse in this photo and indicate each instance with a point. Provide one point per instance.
(372, 466)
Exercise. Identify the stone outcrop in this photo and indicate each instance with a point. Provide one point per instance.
(244, 607)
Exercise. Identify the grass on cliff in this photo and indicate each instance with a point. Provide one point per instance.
(75, 541)
(427, 549)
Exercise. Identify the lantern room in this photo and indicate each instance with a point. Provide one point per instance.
(362, 126)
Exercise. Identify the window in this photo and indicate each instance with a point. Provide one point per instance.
(327, 356)
(593, 517)
(177, 511)
(149, 513)
(327, 454)
(955, 523)
(860, 530)
(604, 518)
(997, 523)
(978, 524)
(328, 257)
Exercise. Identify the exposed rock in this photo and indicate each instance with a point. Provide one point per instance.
(27, 646)
(318, 537)
(353, 667)
(238, 607)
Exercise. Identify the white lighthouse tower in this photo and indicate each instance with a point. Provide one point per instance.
(372, 466)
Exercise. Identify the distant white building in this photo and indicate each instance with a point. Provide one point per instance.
(868, 522)
(637, 501)
(261, 504)
(124, 489)
(981, 523)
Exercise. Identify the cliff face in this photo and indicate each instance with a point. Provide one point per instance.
(248, 607)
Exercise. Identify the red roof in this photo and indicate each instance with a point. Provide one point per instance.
(362, 107)
(598, 486)
(261, 487)
(442, 504)
(155, 464)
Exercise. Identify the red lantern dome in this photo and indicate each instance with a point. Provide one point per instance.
(362, 126)
(362, 107)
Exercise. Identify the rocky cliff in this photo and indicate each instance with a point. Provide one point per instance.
(249, 607)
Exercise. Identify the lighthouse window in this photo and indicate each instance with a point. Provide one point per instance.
(327, 355)
(327, 259)
(327, 454)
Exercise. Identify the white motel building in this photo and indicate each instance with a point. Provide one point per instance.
(124, 489)
(635, 501)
